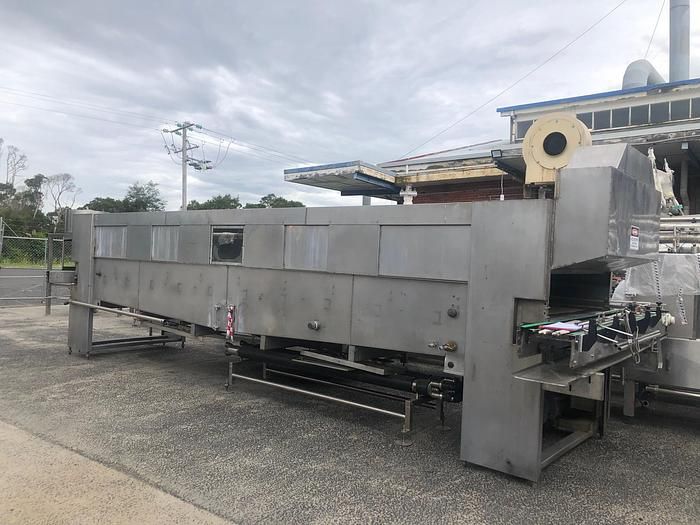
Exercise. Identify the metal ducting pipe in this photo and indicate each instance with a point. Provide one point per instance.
(679, 49)
(641, 73)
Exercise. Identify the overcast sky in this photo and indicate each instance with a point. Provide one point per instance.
(326, 81)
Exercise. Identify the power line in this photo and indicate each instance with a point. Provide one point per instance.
(254, 154)
(658, 18)
(258, 146)
(167, 148)
(251, 153)
(91, 117)
(130, 114)
(247, 151)
(97, 107)
(85, 105)
(511, 86)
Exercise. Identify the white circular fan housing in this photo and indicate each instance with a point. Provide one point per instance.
(549, 144)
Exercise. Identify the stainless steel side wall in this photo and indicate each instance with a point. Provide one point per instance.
(383, 277)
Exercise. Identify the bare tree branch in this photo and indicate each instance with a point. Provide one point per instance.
(63, 191)
(16, 162)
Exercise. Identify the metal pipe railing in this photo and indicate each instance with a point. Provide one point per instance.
(318, 395)
(116, 311)
(672, 391)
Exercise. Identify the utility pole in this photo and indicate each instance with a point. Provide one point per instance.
(183, 150)
(181, 130)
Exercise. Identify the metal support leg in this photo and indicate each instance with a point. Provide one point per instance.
(229, 381)
(602, 409)
(49, 266)
(408, 413)
(264, 371)
(629, 398)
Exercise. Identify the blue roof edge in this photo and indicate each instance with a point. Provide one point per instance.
(641, 89)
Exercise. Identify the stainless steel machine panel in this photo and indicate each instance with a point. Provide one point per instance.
(117, 281)
(83, 249)
(459, 213)
(238, 217)
(619, 156)
(137, 218)
(138, 242)
(501, 415)
(596, 228)
(680, 365)
(427, 252)
(353, 248)
(605, 219)
(186, 292)
(306, 247)
(282, 303)
(409, 315)
(263, 245)
(194, 244)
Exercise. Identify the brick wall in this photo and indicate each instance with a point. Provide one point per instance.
(469, 191)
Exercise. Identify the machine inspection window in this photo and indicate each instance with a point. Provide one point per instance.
(227, 244)
(164, 243)
(110, 241)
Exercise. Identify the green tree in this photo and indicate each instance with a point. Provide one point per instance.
(218, 202)
(33, 196)
(107, 204)
(273, 201)
(7, 193)
(25, 222)
(139, 197)
(143, 197)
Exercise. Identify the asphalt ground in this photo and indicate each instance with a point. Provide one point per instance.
(162, 417)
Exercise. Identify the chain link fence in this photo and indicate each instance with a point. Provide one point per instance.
(24, 262)
(33, 252)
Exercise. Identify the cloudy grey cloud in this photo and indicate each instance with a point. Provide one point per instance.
(323, 80)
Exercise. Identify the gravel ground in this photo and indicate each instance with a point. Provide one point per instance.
(163, 418)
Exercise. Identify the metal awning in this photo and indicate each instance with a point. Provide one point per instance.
(349, 178)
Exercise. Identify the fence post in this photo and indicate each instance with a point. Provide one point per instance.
(49, 266)
(2, 234)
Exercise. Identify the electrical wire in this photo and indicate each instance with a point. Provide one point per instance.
(91, 117)
(515, 83)
(228, 146)
(245, 151)
(167, 148)
(85, 105)
(656, 25)
(264, 151)
(258, 146)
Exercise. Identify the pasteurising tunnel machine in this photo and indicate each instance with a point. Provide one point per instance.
(502, 306)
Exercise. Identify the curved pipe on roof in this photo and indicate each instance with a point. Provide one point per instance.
(641, 73)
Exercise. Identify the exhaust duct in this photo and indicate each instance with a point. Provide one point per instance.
(679, 48)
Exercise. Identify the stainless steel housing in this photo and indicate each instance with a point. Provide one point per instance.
(451, 282)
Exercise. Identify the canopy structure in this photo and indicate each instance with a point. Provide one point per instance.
(349, 178)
